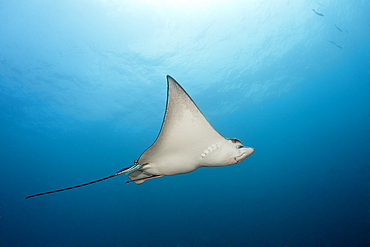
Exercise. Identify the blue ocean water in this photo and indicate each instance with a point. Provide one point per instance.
(83, 93)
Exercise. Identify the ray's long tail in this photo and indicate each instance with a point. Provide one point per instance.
(126, 171)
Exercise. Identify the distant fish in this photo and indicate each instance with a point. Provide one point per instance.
(338, 28)
(335, 44)
(317, 13)
(319, 3)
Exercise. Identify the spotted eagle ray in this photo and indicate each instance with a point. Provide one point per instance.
(185, 142)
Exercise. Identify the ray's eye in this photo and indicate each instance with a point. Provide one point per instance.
(240, 146)
(234, 140)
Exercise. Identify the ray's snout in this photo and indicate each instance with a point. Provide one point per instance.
(245, 152)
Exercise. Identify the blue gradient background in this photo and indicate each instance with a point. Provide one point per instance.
(82, 95)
